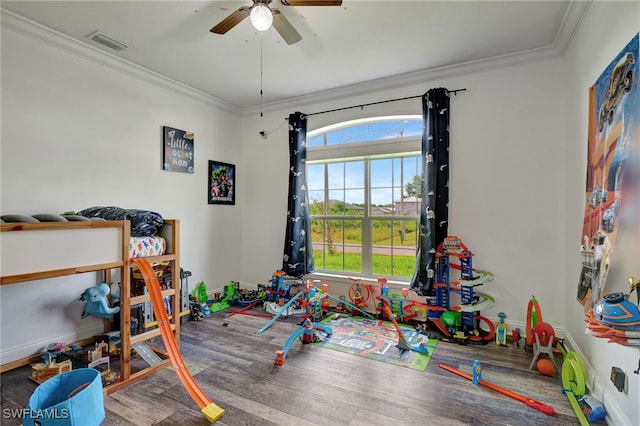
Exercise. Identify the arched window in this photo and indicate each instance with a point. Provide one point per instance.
(363, 181)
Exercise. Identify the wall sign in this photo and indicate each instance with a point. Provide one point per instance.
(177, 150)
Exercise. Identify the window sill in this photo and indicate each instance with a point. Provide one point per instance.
(345, 279)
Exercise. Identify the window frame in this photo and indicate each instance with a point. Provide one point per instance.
(368, 150)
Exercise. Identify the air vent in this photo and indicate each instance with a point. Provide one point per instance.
(105, 40)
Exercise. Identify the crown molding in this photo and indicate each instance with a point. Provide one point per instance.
(401, 81)
(571, 23)
(28, 28)
(568, 28)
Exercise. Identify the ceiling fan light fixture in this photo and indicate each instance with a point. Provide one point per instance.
(261, 17)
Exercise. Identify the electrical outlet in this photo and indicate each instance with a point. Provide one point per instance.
(619, 379)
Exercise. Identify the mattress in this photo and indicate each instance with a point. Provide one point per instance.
(147, 246)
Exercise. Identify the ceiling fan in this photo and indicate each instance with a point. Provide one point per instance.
(263, 16)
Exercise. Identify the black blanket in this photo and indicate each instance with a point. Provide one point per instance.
(144, 223)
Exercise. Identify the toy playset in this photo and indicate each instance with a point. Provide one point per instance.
(201, 307)
(374, 337)
(437, 318)
(617, 318)
(461, 323)
(312, 303)
(41, 372)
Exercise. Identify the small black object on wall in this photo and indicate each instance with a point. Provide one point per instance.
(619, 379)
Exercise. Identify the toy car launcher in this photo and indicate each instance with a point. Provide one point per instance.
(617, 318)
(616, 310)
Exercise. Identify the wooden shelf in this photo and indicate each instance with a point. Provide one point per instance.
(145, 297)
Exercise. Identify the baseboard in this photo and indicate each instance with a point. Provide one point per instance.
(39, 345)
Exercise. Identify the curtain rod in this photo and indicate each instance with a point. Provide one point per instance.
(455, 92)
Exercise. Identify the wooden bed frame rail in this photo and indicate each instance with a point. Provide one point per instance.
(170, 231)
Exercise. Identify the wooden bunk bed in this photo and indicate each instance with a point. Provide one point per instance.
(21, 264)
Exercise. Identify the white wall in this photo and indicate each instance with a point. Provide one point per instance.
(506, 179)
(605, 30)
(77, 131)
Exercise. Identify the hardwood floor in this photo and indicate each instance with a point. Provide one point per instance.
(319, 386)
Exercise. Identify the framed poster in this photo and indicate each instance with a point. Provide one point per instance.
(177, 152)
(221, 183)
(611, 217)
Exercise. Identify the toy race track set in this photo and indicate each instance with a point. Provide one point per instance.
(452, 313)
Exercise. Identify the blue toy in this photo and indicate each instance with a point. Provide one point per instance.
(617, 311)
(96, 302)
(501, 330)
(477, 372)
(592, 408)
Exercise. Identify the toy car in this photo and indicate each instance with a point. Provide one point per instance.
(598, 195)
(621, 82)
(109, 377)
(609, 217)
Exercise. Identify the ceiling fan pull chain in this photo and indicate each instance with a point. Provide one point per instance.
(261, 75)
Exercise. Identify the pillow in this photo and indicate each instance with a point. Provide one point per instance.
(75, 218)
(18, 218)
(46, 217)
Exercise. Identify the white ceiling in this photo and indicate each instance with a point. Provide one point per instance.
(341, 45)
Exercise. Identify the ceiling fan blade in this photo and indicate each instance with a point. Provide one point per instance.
(284, 27)
(312, 2)
(232, 20)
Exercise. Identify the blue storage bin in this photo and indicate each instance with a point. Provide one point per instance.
(70, 399)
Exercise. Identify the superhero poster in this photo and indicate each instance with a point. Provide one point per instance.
(611, 208)
(222, 183)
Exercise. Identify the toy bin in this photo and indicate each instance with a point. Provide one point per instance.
(70, 399)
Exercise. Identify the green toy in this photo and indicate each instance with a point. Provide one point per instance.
(200, 292)
(230, 294)
(451, 318)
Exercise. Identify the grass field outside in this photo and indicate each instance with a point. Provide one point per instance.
(403, 266)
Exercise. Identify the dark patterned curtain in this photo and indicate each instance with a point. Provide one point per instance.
(434, 216)
(298, 250)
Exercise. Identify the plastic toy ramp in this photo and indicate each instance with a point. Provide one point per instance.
(529, 402)
(210, 410)
(146, 353)
(402, 342)
(574, 377)
(300, 331)
(486, 302)
(483, 277)
(282, 310)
